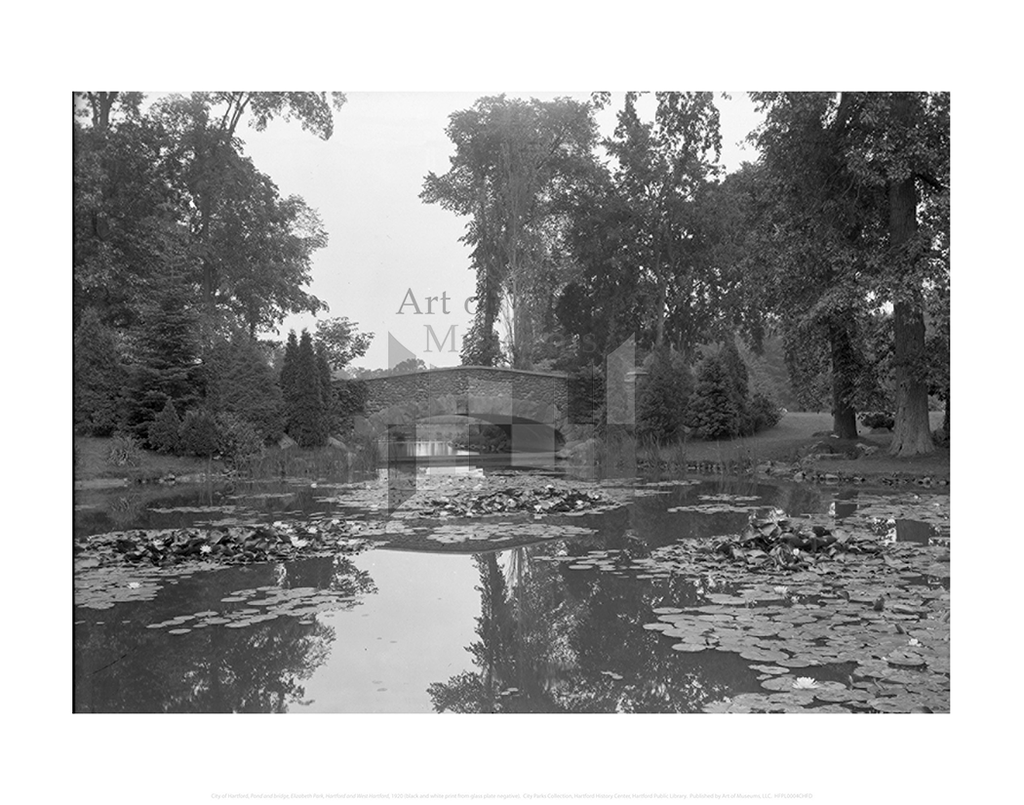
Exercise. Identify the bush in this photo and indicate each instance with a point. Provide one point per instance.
(878, 419)
(199, 435)
(124, 451)
(165, 430)
(764, 413)
(237, 440)
(349, 401)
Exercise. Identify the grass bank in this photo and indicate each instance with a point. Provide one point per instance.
(794, 436)
(92, 465)
(94, 469)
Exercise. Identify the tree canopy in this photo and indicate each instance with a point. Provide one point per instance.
(185, 254)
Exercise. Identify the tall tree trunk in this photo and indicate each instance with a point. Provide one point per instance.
(844, 367)
(912, 434)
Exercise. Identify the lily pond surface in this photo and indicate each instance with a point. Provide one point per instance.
(502, 590)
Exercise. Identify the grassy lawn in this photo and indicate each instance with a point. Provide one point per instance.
(92, 466)
(795, 433)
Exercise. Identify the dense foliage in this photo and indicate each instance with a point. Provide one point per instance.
(185, 256)
(834, 243)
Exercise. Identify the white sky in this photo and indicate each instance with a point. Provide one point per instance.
(365, 183)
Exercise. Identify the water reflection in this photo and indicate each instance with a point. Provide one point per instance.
(555, 640)
(546, 638)
(123, 664)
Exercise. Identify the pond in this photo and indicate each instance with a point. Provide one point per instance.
(603, 607)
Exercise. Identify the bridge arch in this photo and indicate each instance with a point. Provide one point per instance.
(507, 397)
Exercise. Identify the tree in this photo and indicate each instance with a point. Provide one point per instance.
(164, 433)
(662, 170)
(100, 391)
(661, 403)
(306, 414)
(713, 412)
(173, 187)
(240, 381)
(289, 367)
(126, 227)
(643, 231)
(739, 383)
(815, 229)
(513, 160)
(903, 148)
(245, 235)
(859, 207)
(341, 341)
(165, 356)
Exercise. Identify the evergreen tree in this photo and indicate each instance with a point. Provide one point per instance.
(308, 421)
(662, 401)
(327, 397)
(240, 381)
(166, 365)
(288, 368)
(165, 431)
(712, 412)
(199, 433)
(739, 384)
(100, 378)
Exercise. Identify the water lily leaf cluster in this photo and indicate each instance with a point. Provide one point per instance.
(231, 545)
(849, 631)
(775, 541)
(546, 500)
(250, 606)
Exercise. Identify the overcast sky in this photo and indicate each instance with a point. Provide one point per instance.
(365, 183)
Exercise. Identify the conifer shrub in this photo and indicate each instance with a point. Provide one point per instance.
(165, 430)
(712, 412)
(240, 381)
(739, 386)
(199, 434)
(238, 441)
(764, 413)
(662, 399)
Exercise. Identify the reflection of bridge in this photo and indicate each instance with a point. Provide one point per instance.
(533, 405)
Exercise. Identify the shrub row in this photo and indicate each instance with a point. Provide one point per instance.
(716, 404)
(202, 433)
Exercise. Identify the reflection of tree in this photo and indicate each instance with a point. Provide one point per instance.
(121, 667)
(556, 640)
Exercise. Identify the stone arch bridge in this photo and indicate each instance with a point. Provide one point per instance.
(529, 402)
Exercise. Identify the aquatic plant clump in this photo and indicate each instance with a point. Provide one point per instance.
(775, 541)
(548, 500)
(227, 545)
